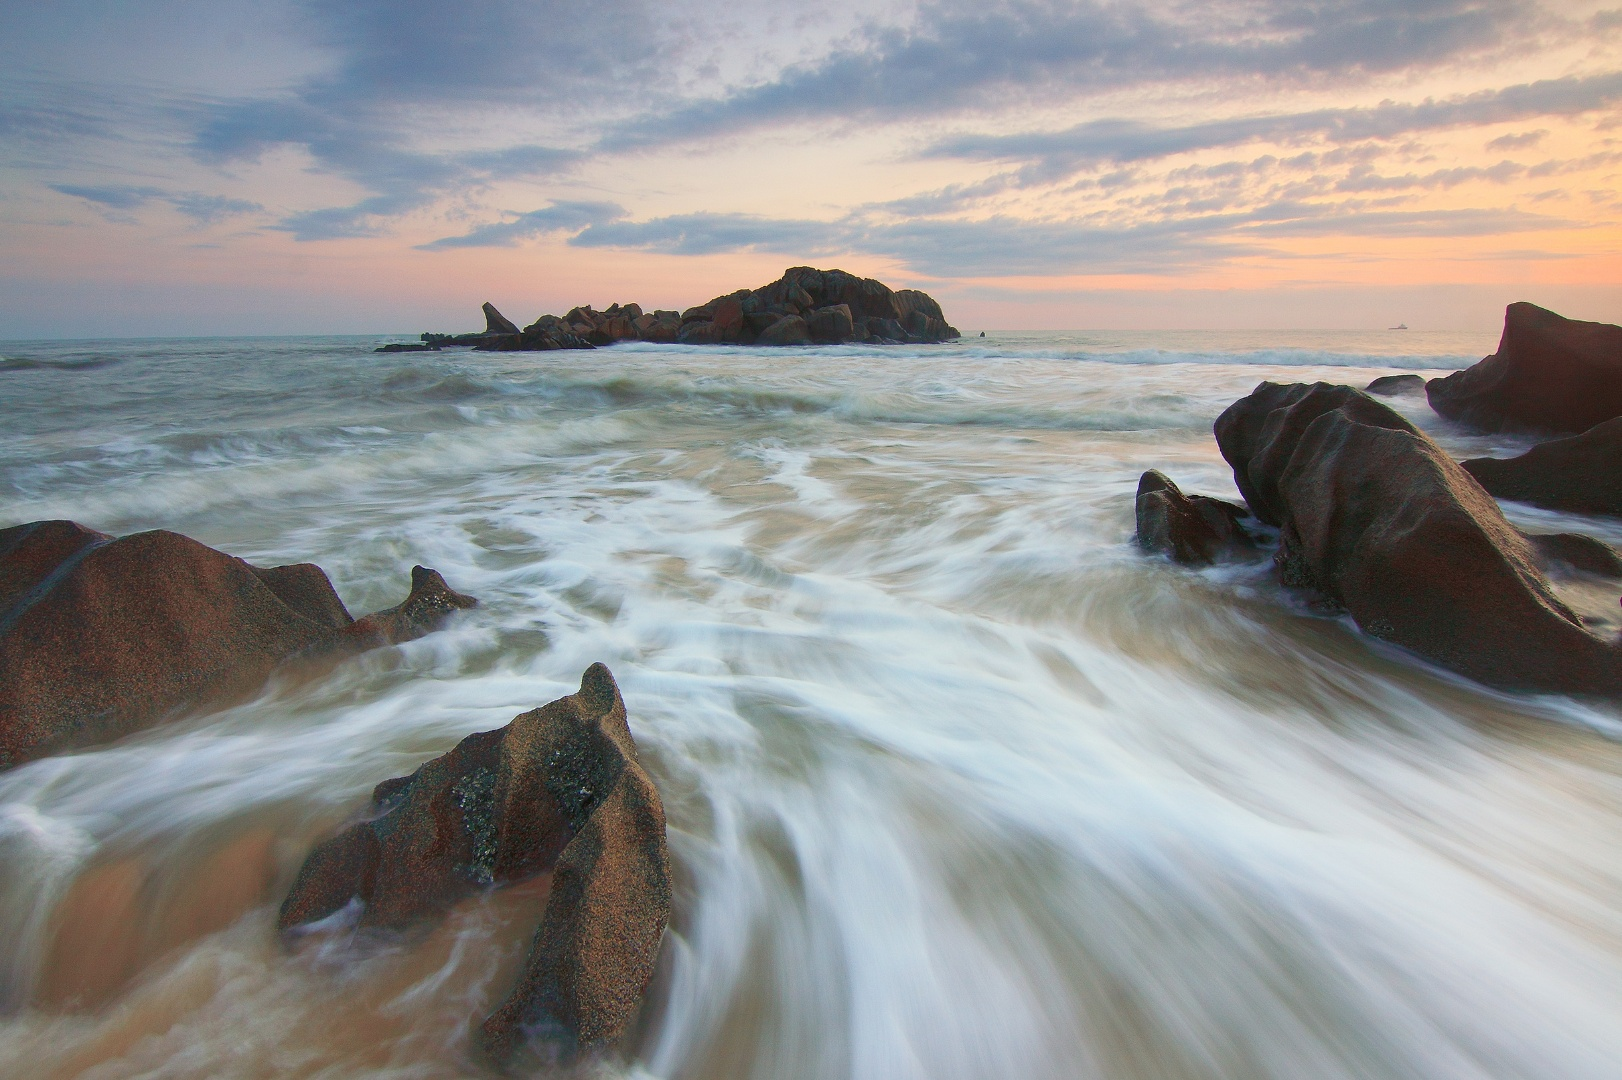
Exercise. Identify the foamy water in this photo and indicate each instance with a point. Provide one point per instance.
(959, 785)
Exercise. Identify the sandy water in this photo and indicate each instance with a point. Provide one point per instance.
(959, 785)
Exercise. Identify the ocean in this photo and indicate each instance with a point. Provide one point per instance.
(959, 784)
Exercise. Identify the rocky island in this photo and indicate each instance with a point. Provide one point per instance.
(805, 306)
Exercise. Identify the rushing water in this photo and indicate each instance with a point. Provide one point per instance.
(959, 785)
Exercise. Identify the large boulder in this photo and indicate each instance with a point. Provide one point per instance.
(1549, 374)
(102, 636)
(1581, 473)
(558, 790)
(785, 330)
(1395, 385)
(1194, 530)
(1376, 518)
(831, 325)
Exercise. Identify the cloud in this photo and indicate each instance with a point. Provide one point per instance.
(1055, 154)
(1518, 142)
(558, 217)
(971, 53)
(203, 208)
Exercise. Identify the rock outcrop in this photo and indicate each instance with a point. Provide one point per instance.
(497, 323)
(558, 790)
(102, 636)
(1375, 517)
(1393, 385)
(827, 307)
(1549, 374)
(1194, 530)
(1582, 473)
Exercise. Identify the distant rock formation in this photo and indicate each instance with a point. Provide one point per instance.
(1582, 473)
(102, 636)
(805, 306)
(1194, 530)
(558, 790)
(1549, 374)
(1374, 517)
(1392, 385)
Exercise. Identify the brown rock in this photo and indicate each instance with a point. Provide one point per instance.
(497, 323)
(1549, 374)
(101, 636)
(699, 333)
(788, 330)
(831, 325)
(1582, 473)
(1376, 518)
(1577, 551)
(559, 789)
(1194, 530)
(1392, 385)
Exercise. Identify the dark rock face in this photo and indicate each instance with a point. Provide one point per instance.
(1194, 530)
(558, 789)
(1577, 551)
(785, 330)
(1549, 374)
(1582, 473)
(102, 636)
(497, 323)
(1375, 517)
(1392, 385)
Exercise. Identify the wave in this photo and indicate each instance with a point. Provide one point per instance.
(76, 363)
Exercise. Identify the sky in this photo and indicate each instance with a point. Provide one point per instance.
(385, 166)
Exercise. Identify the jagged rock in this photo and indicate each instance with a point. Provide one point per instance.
(1549, 374)
(1194, 530)
(1392, 385)
(497, 323)
(786, 330)
(1376, 518)
(1581, 473)
(558, 790)
(102, 636)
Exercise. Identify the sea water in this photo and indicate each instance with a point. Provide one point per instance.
(959, 784)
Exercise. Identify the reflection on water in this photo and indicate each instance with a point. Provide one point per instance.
(958, 785)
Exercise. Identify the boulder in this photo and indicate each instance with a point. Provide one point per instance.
(1549, 374)
(786, 330)
(1392, 385)
(558, 790)
(1577, 551)
(1374, 517)
(702, 332)
(100, 636)
(1194, 530)
(831, 325)
(1581, 473)
(497, 323)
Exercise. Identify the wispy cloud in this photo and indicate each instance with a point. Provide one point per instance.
(197, 205)
(569, 217)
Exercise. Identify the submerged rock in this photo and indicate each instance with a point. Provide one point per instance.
(1392, 385)
(557, 790)
(1376, 518)
(1577, 551)
(1194, 530)
(100, 636)
(1582, 473)
(1549, 374)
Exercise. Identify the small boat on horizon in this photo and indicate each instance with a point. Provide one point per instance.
(1399, 326)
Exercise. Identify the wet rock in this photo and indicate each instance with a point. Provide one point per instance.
(101, 636)
(1582, 473)
(557, 790)
(1577, 551)
(497, 323)
(1393, 385)
(395, 346)
(1194, 530)
(1549, 374)
(1374, 517)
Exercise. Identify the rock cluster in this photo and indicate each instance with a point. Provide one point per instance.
(1195, 530)
(559, 790)
(100, 636)
(805, 306)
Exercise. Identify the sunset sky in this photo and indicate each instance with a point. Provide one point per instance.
(330, 166)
